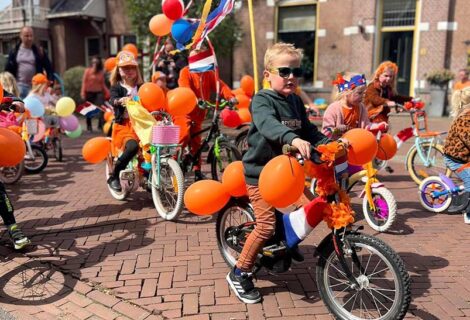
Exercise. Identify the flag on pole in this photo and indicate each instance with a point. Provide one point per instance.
(216, 17)
(88, 109)
(202, 62)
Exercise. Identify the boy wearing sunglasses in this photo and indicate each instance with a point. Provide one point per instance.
(279, 118)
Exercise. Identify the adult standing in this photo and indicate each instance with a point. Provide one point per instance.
(462, 80)
(171, 64)
(94, 89)
(26, 60)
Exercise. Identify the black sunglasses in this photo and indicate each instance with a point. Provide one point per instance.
(285, 72)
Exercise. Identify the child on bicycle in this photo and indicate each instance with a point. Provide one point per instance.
(203, 84)
(6, 208)
(457, 149)
(279, 118)
(125, 81)
(381, 95)
(40, 90)
(347, 111)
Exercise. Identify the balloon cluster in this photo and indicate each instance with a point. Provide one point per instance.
(233, 119)
(178, 102)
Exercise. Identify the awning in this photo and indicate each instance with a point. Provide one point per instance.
(78, 9)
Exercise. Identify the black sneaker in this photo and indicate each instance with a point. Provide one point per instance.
(114, 184)
(18, 238)
(459, 202)
(243, 286)
(198, 175)
(295, 254)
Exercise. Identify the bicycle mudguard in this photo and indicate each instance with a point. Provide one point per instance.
(375, 185)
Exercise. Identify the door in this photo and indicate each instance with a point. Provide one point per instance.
(398, 47)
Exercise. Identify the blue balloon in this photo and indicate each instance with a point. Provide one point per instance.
(34, 105)
(183, 30)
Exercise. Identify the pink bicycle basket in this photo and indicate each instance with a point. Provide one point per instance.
(165, 134)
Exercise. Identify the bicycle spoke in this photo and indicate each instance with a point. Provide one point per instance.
(382, 294)
(386, 268)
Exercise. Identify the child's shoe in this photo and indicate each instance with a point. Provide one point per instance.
(198, 175)
(17, 237)
(242, 285)
(114, 184)
(466, 217)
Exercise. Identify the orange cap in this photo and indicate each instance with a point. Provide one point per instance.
(39, 78)
(126, 58)
(158, 75)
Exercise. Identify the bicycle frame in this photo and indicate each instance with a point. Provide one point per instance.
(371, 182)
(453, 189)
(157, 153)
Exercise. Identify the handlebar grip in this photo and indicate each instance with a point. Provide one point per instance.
(286, 149)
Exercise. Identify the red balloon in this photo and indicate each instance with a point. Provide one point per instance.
(173, 9)
(233, 179)
(245, 115)
(387, 147)
(282, 181)
(181, 101)
(362, 146)
(230, 118)
(160, 25)
(205, 197)
(12, 147)
(131, 48)
(243, 101)
(110, 64)
(247, 83)
(151, 97)
(96, 149)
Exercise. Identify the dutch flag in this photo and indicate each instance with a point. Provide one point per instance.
(202, 62)
(88, 109)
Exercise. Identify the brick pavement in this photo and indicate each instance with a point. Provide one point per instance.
(98, 258)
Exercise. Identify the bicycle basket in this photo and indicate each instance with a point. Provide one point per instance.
(32, 126)
(165, 134)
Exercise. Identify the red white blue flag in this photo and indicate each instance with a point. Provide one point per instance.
(216, 17)
(202, 62)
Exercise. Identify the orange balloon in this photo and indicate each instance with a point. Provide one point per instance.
(387, 147)
(160, 25)
(245, 115)
(362, 146)
(243, 101)
(151, 97)
(233, 179)
(248, 85)
(108, 116)
(12, 148)
(131, 48)
(205, 197)
(238, 91)
(181, 101)
(1, 92)
(110, 64)
(96, 149)
(107, 127)
(282, 181)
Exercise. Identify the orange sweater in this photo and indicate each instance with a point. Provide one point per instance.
(93, 82)
(203, 84)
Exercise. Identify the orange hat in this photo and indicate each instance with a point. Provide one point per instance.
(39, 78)
(158, 75)
(126, 58)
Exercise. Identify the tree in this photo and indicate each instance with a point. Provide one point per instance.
(223, 37)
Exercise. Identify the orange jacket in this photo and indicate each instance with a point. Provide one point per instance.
(203, 84)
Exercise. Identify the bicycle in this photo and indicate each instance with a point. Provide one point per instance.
(52, 141)
(221, 150)
(426, 156)
(354, 271)
(164, 180)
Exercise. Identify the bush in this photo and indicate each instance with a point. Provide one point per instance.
(440, 77)
(73, 82)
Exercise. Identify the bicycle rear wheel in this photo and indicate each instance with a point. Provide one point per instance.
(221, 157)
(428, 200)
(384, 284)
(10, 175)
(420, 169)
(58, 154)
(36, 162)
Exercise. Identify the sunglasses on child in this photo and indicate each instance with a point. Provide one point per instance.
(285, 72)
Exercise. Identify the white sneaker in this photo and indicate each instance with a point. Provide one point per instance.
(466, 217)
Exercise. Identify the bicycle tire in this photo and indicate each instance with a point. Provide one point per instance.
(228, 150)
(411, 163)
(398, 274)
(58, 152)
(11, 175)
(241, 142)
(176, 177)
(38, 152)
(387, 199)
(426, 187)
(121, 196)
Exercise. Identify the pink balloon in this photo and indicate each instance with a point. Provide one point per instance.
(69, 123)
(41, 131)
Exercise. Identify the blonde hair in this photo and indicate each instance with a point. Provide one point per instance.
(460, 101)
(8, 82)
(336, 95)
(39, 88)
(115, 77)
(278, 49)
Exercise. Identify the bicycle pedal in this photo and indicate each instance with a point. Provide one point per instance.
(274, 250)
(127, 175)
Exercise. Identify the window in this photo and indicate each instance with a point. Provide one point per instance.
(93, 48)
(113, 45)
(398, 13)
(296, 24)
(129, 39)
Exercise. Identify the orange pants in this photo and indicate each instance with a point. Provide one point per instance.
(122, 133)
(265, 226)
(189, 125)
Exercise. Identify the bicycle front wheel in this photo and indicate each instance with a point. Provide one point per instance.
(168, 196)
(10, 175)
(222, 156)
(382, 218)
(384, 284)
(432, 163)
(58, 153)
(36, 162)
(427, 198)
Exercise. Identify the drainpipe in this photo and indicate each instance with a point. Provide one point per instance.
(375, 41)
(449, 35)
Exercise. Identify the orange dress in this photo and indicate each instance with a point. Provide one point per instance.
(351, 116)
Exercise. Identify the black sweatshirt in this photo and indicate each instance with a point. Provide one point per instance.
(277, 120)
